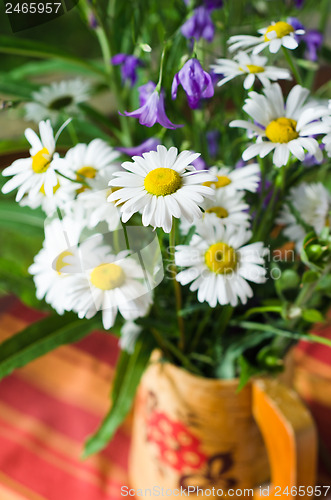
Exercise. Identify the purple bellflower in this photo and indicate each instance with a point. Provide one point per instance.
(213, 137)
(196, 82)
(129, 65)
(145, 91)
(213, 4)
(312, 38)
(210, 4)
(146, 146)
(199, 163)
(311, 160)
(199, 25)
(151, 109)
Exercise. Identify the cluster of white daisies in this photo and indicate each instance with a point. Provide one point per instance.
(79, 271)
(83, 274)
(283, 127)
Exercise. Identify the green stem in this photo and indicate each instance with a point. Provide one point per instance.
(200, 329)
(73, 134)
(72, 180)
(165, 344)
(263, 227)
(126, 236)
(324, 15)
(159, 83)
(178, 295)
(105, 49)
(160, 341)
(293, 67)
(223, 321)
(114, 85)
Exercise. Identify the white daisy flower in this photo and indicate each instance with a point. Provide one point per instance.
(94, 200)
(327, 139)
(163, 185)
(63, 193)
(274, 36)
(107, 282)
(129, 333)
(85, 161)
(218, 264)
(49, 267)
(312, 202)
(227, 208)
(236, 179)
(53, 100)
(250, 66)
(284, 128)
(36, 173)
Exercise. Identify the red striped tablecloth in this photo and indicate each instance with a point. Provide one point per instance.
(47, 409)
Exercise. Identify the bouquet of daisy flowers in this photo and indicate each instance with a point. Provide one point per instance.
(193, 216)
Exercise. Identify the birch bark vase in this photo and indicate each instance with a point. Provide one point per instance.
(190, 431)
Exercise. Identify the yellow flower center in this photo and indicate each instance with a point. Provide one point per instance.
(222, 181)
(59, 263)
(252, 68)
(87, 172)
(282, 130)
(281, 28)
(221, 258)
(107, 276)
(221, 212)
(41, 161)
(162, 181)
(55, 188)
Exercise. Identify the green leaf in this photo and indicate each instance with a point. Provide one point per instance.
(42, 337)
(247, 371)
(16, 87)
(268, 329)
(36, 68)
(130, 368)
(189, 235)
(13, 146)
(187, 311)
(24, 219)
(228, 364)
(100, 118)
(31, 48)
(87, 131)
(306, 64)
(313, 316)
